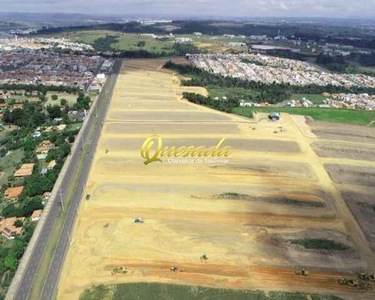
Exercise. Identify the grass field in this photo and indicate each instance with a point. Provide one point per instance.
(128, 41)
(8, 164)
(75, 126)
(156, 291)
(314, 98)
(125, 41)
(70, 98)
(214, 43)
(4, 132)
(353, 117)
(238, 93)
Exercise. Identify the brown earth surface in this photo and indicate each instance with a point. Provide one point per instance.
(363, 208)
(240, 213)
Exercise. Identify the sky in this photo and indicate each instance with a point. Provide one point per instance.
(199, 8)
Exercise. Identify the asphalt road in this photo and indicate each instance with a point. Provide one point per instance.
(24, 288)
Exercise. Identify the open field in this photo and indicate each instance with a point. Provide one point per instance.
(8, 165)
(70, 98)
(129, 41)
(126, 41)
(314, 98)
(270, 210)
(155, 291)
(353, 117)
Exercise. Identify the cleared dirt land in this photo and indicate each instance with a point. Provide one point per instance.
(270, 210)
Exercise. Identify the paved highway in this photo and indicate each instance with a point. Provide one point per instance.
(27, 280)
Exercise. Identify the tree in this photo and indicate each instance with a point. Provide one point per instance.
(54, 111)
(18, 248)
(141, 44)
(54, 97)
(18, 117)
(18, 223)
(11, 262)
(37, 118)
(71, 139)
(29, 145)
(63, 102)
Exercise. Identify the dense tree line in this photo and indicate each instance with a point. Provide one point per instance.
(43, 89)
(225, 106)
(358, 43)
(271, 93)
(367, 60)
(105, 44)
(31, 115)
(9, 257)
(333, 63)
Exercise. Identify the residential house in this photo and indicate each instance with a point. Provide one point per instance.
(24, 171)
(12, 193)
(35, 216)
(51, 165)
(8, 229)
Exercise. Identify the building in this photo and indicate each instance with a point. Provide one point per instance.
(35, 216)
(46, 195)
(8, 229)
(43, 149)
(51, 164)
(236, 44)
(24, 171)
(274, 116)
(12, 194)
(183, 40)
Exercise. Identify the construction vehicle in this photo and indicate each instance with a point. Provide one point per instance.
(139, 220)
(88, 196)
(349, 282)
(175, 269)
(119, 270)
(204, 257)
(361, 284)
(365, 276)
(302, 272)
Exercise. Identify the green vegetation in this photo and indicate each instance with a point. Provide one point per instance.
(233, 92)
(314, 98)
(130, 45)
(320, 244)
(43, 89)
(354, 117)
(18, 146)
(9, 163)
(10, 253)
(111, 40)
(225, 106)
(40, 277)
(157, 291)
(70, 99)
(351, 64)
(255, 91)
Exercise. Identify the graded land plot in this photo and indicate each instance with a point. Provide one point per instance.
(363, 207)
(254, 145)
(344, 150)
(348, 174)
(341, 132)
(270, 210)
